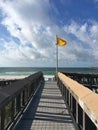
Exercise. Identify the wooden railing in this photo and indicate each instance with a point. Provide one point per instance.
(82, 102)
(6, 82)
(15, 97)
(88, 80)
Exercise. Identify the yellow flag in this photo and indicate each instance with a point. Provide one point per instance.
(61, 42)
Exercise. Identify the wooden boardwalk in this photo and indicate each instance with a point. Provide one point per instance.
(47, 111)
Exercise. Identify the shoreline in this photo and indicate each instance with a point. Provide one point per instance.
(7, 77)
(11, 77)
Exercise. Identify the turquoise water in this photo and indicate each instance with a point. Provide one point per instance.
(26, 71)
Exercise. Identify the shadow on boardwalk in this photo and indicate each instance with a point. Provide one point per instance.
(46, 111)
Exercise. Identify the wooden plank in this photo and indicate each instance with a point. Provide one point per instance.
(86, 98)
(47, 111)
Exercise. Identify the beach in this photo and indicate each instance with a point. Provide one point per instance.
(46, 77)
(11, 77)
(12, 73)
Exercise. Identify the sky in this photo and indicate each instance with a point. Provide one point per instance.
(28, 30)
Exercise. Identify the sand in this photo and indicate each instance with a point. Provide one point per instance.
(11, 77)
(46, 77)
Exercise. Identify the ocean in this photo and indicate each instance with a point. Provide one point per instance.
(12, 72)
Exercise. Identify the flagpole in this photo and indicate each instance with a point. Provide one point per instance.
(56, 57)
(60, 42)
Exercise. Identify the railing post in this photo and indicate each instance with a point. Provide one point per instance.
(69, 99)
(76, 112)
(64, 93)
(70, 102)
(83, 120)
(18, 102)
(2, 118)
(14, 99)
(13, 110)
(23, 98)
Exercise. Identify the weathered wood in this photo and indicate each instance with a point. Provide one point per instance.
(85, 98)
(88, 80)
(16, 96)
(5, 83)
(2, 118)
(47, 111)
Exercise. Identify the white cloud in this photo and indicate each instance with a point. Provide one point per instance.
(28, 16)
(86, 34)
(30, 22)
(79, 31)
(96, 0)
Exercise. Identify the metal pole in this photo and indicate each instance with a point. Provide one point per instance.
(56, 59)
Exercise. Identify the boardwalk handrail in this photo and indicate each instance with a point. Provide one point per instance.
(15, 97)
(82, 102)
(6, 82)
(88, 80)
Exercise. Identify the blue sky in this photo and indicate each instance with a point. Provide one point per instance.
(28, 30)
